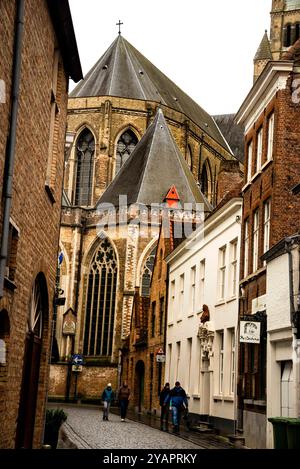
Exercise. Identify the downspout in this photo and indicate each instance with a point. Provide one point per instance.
(11, 145)
(295, 340)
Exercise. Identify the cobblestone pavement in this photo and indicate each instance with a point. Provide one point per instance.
(87, 430)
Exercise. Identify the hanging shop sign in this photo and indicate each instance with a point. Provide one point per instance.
(250, 332)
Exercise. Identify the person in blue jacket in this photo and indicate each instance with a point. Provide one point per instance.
(178, 399)
(107, 398)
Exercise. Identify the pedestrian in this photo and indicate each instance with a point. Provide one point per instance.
(164, 408)
(107, 398)
(179, 403)
(123, 398)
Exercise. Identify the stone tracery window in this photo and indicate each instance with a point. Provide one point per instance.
(100, 305)
(125, 146)
(35, 320)
(147, 273)
(85, 149)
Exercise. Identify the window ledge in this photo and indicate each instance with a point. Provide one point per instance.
(232, 298)
(255, 176)
(220, 303)
(170, 324)
(217, 397)
(9, 284)
(191, 315)
(228, 398)
(266, 164)
(260, 403)
(50, 193)
(179, 320)
(196, 396)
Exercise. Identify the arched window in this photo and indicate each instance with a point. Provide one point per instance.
(189, 158)
(287, 40)
(100, 306)
(204, 181)
(125, 146)
(85, 148)
(35, 320)
(147, 273)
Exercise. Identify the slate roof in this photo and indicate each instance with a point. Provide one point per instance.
(264, 50)
(123, 71)
(154, 166)
(233, 133)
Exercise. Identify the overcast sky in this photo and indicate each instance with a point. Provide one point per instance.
(205, 46)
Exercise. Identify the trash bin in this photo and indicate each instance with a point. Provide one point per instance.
(279, 432)
(293, 433)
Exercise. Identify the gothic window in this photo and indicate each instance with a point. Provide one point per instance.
(85, 148)
(125, 146)
(204, 181)
(287, 35)
(147, 273)
(35, 321)
(100, 306)
(189, 158)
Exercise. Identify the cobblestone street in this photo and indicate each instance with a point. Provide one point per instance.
(86, 429)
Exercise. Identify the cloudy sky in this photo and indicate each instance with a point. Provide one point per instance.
(205, 46)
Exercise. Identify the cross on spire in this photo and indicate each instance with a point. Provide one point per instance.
(119, 24)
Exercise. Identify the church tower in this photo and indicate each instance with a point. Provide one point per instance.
(284, 32)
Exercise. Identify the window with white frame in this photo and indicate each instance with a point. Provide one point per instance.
(189, 351)
(233, 266)
(202, 281)
(177, 361)
(232, 360)
(255, 239)
(249, 162)
(222, 272)
(170, 361)
(270, 136)
(267, 221)
(246, 248)
(259, 144)
(193, 289)
(198, 383)
(172, 300)
(221, 361)
(181, 295)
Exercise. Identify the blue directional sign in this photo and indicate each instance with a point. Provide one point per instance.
(77, 359)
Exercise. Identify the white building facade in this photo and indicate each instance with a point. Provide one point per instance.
(203, 281)
(283, 340)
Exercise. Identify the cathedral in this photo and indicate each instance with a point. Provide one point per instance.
(132, 135)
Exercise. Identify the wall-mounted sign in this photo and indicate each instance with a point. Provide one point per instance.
(160, 358)
(250, 332)
(77, 368)
(69, 327)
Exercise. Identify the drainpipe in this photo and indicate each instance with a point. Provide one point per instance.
(295, 340)
(11, 145)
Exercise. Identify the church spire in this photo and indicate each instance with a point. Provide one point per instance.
(263, 55)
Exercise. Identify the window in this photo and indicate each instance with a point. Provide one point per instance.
(233, 267)
(125, 146)
(249, 162)
(177, 361)
(189, 356)
(204, 181)
(160, 261)
(189, 158)
(147, 273)
(181, 296)
(85, 148)
(13, 238)
(246, 248)
(172, 300)
(232, 361)
(259, 143)
(202, 281)
(222, 272)
(287, 36)
(267, 221)
(193, 289)
(153, 319)
(161, 316)
(221, 361)
(100, 302)
(170, 362)
(255, 240)
(270, 136)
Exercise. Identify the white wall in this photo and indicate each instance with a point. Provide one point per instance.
(200, 378)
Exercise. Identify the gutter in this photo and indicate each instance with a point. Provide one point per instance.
(11, 146)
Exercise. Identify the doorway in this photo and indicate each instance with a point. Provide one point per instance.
(140, 384)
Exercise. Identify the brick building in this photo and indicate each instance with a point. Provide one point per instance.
(39, 54)
(271, 116)
(109, 113)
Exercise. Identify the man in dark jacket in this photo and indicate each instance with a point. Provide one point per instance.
(179, 402)
(107, 398)
(123, 398)
(164, 408)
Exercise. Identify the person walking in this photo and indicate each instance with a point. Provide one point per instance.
(164, 408)
(123, 398)
(179, 403)
(107, 398)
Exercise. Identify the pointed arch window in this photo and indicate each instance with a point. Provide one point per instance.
(85, 149)
(204, 181)
(189, 158)
(125, 146)
(147, 273)
(100, 305)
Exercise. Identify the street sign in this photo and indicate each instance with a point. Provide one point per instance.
(160, 351)
(160, 358)
(250, 332)
(77, 359)
(77, 368)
